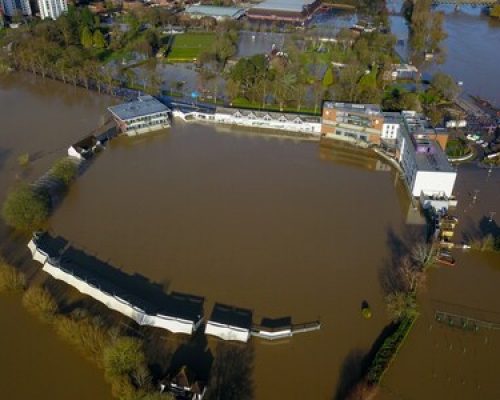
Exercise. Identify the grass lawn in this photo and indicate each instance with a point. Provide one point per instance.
(188, 46)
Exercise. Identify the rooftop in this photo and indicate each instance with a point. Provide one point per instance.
(430, 157)
(371, 109)
(392, 117)
(229, 315)
(215, 11)
(283, 5)
(144, 105)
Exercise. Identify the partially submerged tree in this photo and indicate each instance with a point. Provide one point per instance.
(40, 302)
(26, 208)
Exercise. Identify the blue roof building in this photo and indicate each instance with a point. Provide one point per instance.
(140, 116)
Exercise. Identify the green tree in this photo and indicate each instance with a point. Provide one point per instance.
(445, 85)
(64, 170)
(86, 38)
(98, 39)
(123, 357)
(328, 78)
(25, 208)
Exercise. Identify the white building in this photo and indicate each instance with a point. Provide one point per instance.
(426, 167)
(146, 114)
(52, 8)
(14, 8)
(299, 123)
(391, 126)
(229, 323)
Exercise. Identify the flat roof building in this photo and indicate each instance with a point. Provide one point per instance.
(352, 122)
(230, 323)
(140, 116)
(219, 13)
(424, 162)
(295, 11)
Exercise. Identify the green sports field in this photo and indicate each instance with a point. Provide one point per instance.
(188, 46)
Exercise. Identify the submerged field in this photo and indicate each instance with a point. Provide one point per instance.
(275, 226)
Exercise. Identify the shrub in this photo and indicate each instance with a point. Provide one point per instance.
(26, 209)
(388, 350)
(401, 305)
(64, 170)
(23, 159)
(123, 357)
(40, 302)
(10, 278)
(89, 336)
(366, 312)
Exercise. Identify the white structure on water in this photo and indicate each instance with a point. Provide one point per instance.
(52, 8)
(229, 323)
(299, 123)
(14, 8)
(178, 313)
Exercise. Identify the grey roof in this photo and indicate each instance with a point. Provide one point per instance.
(283, 5)
(372, 109)
(229, 315)
(392, 117)
(144, 105)
(215, 11)
(435, 160)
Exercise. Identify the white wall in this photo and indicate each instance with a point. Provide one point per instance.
(434, 183)
(52, 8)
(390, 131)
(227, 332)
(114, 302)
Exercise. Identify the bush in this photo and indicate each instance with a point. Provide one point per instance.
(26, 209)
(86, 334)
(366, 312)
(40, 302)
(23, 159)
(123, 357)
(10, 278)
(64, 170)
(388, 350)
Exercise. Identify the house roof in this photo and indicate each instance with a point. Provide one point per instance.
(86, 143)
(229, 315)
(371, 109)
(144, 105)
(135, 289)
(52, 246)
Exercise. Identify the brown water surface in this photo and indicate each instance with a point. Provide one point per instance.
(40, 118)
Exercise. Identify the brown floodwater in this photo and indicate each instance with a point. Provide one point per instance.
(281, 227)
(40, 118)
(438, 361)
